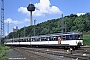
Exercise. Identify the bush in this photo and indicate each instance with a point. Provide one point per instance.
(86, 39)
(3, 52)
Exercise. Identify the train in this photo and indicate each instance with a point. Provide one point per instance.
(66, 40)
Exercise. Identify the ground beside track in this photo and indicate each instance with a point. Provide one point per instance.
(12, 54)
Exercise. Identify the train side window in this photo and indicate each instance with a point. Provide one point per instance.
(33, 39)
(67, 37)
(40, 39)
(54, 38)
(22, 40)
(47, 38)
(44, 39)
(26, 40)
(70, 37)
(51, 39)
(29, 39)
(57, 38)
(64, 37)
(37, 39)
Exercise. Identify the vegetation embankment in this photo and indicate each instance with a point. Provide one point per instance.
(86, 38)
(72, 23)
(3, 52)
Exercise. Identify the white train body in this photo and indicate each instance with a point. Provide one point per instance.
(66, 39)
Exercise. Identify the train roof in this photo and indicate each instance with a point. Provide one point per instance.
(26, 37)
(53, 35)
(44, 36)
(74, 32)
(48, 35)
(69, 33)
(8, 39)
(35, 36)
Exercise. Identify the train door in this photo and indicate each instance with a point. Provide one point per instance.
(59, 40)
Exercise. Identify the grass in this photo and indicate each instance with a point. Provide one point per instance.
(86, 39)
(3, 52)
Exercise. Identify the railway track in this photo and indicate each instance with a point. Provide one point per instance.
(81, 54)
(30, 55)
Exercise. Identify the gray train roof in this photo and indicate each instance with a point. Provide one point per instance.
(74, 33)
(44, 36)
(53, 35)
(69, 33)
(26, 37)
(48, 35)
(35, 36)
(8, 39)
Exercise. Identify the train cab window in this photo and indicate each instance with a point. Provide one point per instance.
(78, 37)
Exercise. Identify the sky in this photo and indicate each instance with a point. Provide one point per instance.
(16, 13)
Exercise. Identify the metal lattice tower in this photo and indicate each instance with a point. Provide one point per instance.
(2, 18)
